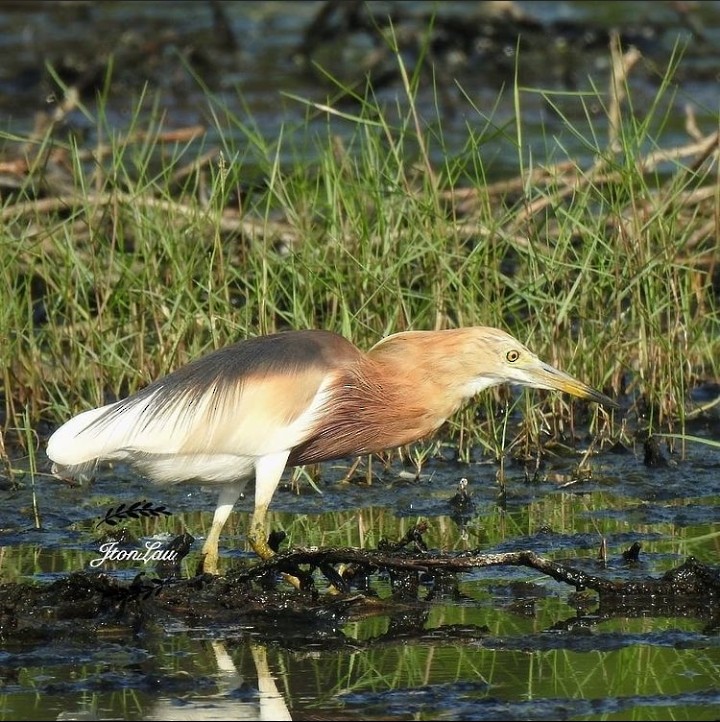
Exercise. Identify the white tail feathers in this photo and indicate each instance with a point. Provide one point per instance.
(77, 443)
(126, 430)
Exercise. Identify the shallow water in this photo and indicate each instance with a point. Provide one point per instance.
(508, 643)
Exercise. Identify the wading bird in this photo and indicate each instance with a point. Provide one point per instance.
(293, 398)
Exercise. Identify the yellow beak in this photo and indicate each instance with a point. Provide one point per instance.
(544, 376)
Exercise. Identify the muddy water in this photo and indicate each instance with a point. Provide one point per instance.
(505, 643)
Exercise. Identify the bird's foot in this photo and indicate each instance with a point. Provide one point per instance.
(261, 546)
(208, 564)
(259, 543)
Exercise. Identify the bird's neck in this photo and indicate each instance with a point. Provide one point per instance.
(377, 406)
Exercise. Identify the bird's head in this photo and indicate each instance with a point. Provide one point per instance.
(498, 357)
(475, 358)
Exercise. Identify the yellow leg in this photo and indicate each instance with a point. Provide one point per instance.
(226, 500)
(268, 471)
(257, 534)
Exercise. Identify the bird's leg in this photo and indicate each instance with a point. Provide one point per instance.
(226, 501)
(257, 534)
(268, 471)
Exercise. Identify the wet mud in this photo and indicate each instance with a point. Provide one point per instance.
(88, 604)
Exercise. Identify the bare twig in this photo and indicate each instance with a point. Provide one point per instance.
(691, 579)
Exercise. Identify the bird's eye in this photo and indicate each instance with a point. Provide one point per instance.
(512, 356)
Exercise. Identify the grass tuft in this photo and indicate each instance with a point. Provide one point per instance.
(126, 255)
